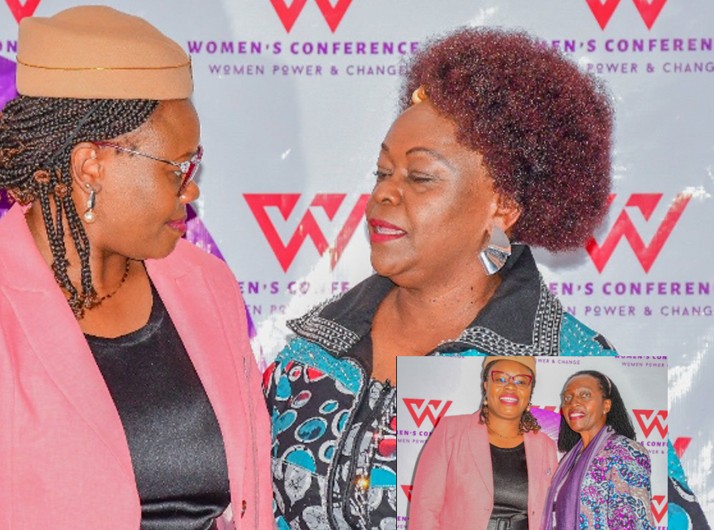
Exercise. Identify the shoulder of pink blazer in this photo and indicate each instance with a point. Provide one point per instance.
(543, 444)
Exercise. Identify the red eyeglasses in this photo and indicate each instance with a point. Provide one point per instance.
(186, 170)
(502, 379)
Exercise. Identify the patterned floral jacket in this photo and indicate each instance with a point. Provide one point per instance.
(319, 385)
(616, 491)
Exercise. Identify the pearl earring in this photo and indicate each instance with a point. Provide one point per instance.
(88, 215)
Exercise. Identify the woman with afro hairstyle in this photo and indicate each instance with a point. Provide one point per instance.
(501, 143)
(129, 396)
(489, 468)
(604, 479)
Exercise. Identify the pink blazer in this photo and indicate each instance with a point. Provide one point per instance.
(453, 483)
(64, 459)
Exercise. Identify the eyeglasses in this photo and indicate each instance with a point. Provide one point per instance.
(186, 170)
(583, 396)
(502, 379)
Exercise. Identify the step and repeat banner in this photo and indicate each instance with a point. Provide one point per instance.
(295, 97)
(431, 388)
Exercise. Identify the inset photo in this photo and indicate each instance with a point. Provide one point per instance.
(537, 443)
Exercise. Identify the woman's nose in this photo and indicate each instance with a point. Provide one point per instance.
(191, 193)
(387, 190)
(578, 399)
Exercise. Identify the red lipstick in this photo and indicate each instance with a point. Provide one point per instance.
(382, 231)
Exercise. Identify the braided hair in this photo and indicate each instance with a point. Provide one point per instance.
(617, 418)
(528, 422)
(37, 135)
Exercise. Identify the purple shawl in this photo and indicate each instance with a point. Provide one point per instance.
(575, 468)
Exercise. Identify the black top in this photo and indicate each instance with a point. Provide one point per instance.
(174, 439)
(510, 482)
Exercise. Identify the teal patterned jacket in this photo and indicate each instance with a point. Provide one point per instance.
(332, 342)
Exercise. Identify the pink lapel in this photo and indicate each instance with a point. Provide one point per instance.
(47, 323)
(535, 462)
(477, 439)
(202, 321)
(541, 459)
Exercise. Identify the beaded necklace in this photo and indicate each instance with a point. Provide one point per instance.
(121, 282)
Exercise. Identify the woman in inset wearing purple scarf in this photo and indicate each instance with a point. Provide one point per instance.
(604, 479)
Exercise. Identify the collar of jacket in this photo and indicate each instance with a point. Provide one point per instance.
(522, 318)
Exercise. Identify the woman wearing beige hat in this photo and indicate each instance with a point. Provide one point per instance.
(129, 397)
(490, 469)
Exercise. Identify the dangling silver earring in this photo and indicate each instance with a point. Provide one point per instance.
(88, 214)
(498, 250)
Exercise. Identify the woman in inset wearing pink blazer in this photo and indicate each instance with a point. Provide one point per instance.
(129, 396)
(491, 469)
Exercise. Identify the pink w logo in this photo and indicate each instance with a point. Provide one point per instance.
(407, 489)
(20, 11)
(681, 444)
(307, 226)
(332, 14)
(659, 507)
(646, 203)
(603, 10)
(434, 409)
(651, 419)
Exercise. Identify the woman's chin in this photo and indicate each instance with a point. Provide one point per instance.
(156, 252)
(384, 267)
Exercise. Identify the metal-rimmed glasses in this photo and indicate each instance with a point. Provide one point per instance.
(502, 379)
(583, 396)
(186, 170)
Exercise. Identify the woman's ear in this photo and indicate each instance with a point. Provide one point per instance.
(607, 405)
(85, 166)
(508, 211)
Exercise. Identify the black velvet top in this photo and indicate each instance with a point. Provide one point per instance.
(174, 439)
(510, 482)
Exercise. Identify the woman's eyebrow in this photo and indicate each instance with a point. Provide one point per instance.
(434, 154)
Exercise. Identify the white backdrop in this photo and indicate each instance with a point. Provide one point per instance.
(433, 387)
(296, 95)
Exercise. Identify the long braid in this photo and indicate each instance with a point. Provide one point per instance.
(81, 243)
(36, 140)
